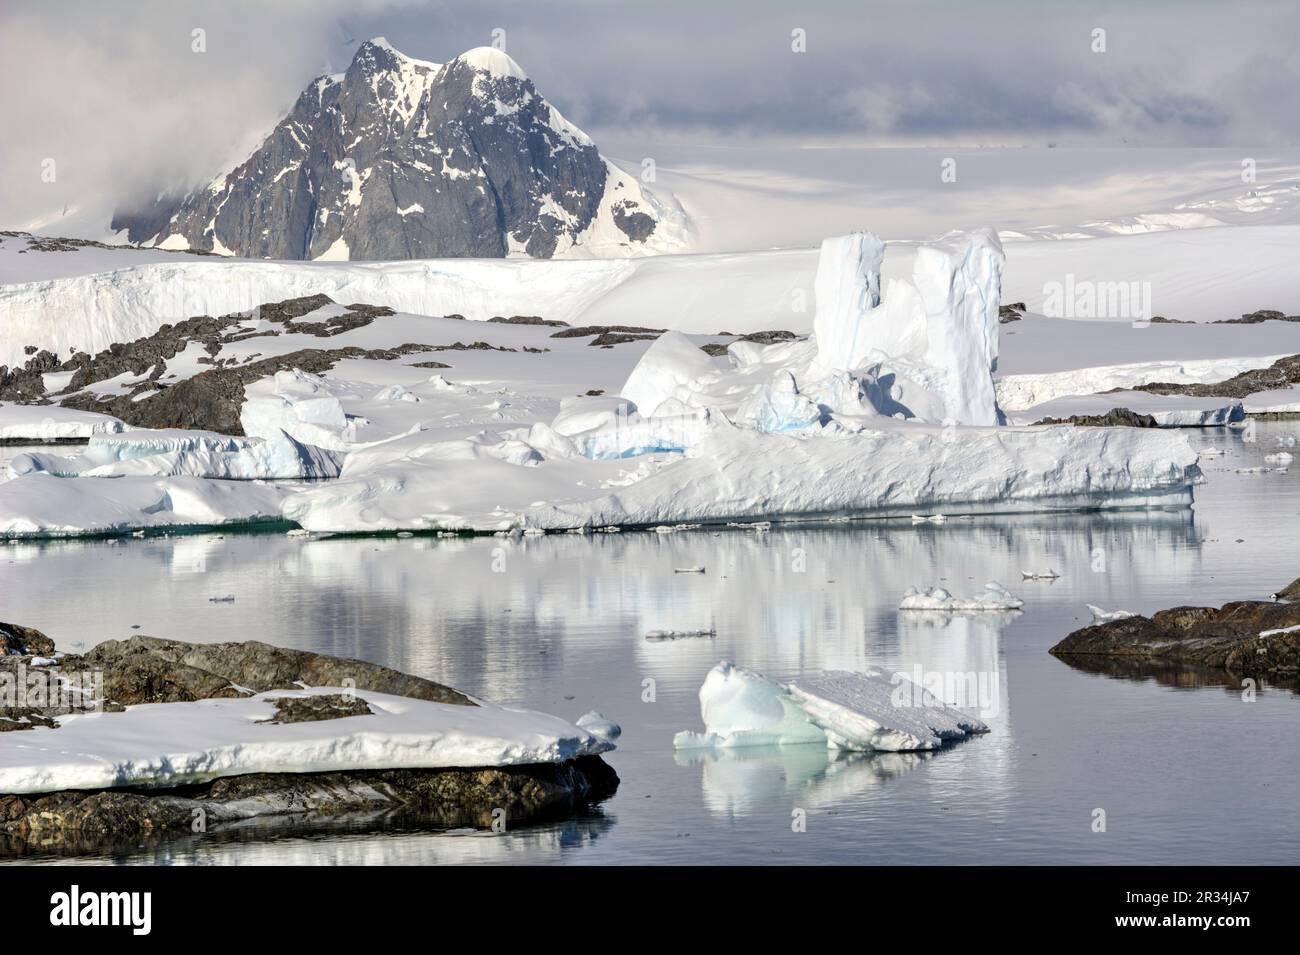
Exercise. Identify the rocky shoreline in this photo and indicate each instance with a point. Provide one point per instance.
(1244, 639)
(147, 669)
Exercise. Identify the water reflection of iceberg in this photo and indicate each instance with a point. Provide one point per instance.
(737, 783)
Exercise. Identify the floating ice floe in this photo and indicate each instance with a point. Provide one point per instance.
(852, 711)
(171, 744)
(1048, 574)
(688, 570)
(1282, 458)
(994, 597)
(1106, 616)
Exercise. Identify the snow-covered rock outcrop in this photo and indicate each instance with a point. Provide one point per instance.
(172, 744)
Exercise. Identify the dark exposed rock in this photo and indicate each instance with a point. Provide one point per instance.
(1263, 315)
(212, 400)
(26, 385)
(472, 346)
(1281, 374)
(94, 821)
(1161, 320)
(317, 707)
(146, 669)
(583, 331)
(1290, 592)
(49, 243)
(1114, 418)
(770, 337)
(1226, 638)
(429, 364)
(607, 339)
(774, 336)
(24, 641)
(1011, 312)
(14, 718)
(529, 320)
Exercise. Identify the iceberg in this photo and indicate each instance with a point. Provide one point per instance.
(738, 475)
(867, 711)
(873, 711)
(994, 597)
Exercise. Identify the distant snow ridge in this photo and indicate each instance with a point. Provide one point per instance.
(399, 158)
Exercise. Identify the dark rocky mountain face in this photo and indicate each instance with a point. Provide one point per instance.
(397, 158)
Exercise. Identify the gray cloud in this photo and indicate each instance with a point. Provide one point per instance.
(113, 92)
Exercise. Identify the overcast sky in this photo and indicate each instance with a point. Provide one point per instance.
(112, 91)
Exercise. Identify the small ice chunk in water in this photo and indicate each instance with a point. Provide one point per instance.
(1106, 616)
(993, 597)
(598, 724)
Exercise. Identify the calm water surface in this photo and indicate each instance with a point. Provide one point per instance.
(1185, 770)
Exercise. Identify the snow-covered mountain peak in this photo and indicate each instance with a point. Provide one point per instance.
(400, 158)
(493, 61)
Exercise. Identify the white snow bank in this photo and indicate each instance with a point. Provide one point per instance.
(39, 423)
(172, 744)
(1030, 391)
(300, 405)
(853, 711)
(1169, 411)
(994, 597)
(1279, 401)
(41, 505)
(673, 361)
